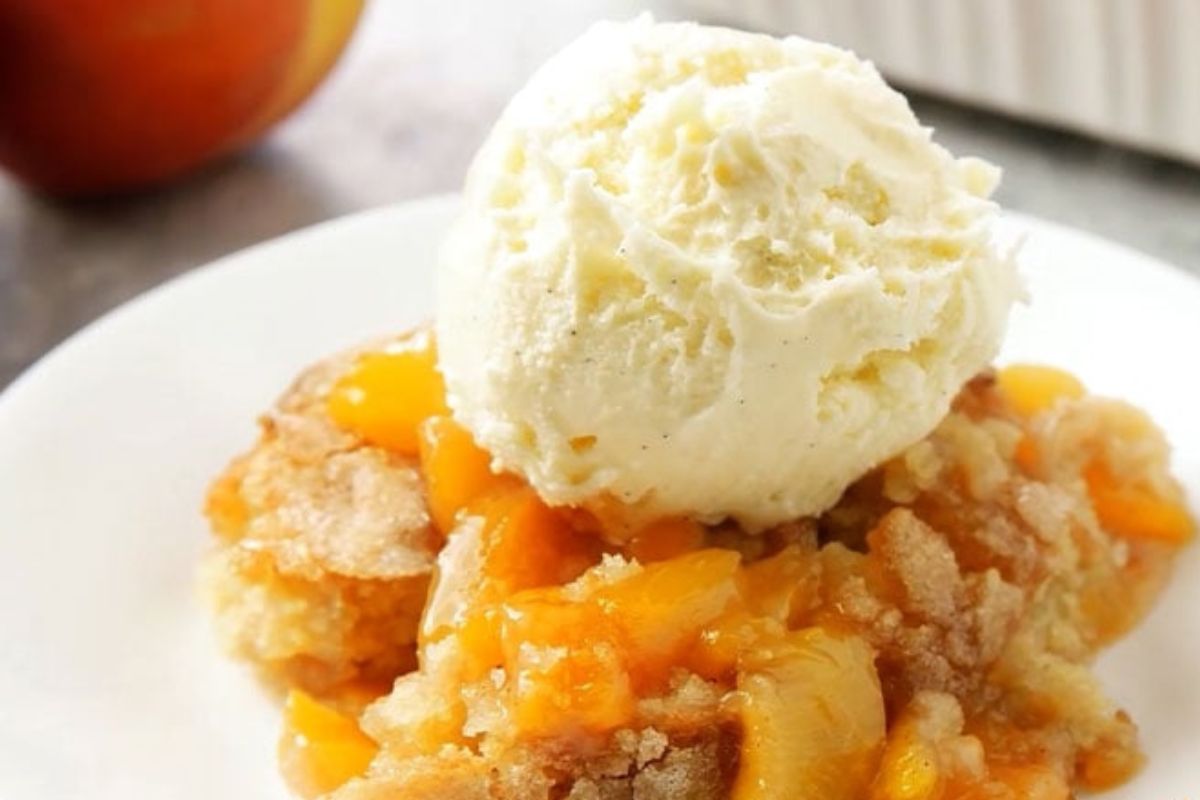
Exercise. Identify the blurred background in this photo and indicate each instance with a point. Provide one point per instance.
(1091, 107)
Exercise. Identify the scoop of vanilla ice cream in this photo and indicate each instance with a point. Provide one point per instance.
(708, 272)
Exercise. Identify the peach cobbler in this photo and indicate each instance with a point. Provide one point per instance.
(701, 484)
(927, 637)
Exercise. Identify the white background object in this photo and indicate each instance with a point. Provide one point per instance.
(111, 684)
(1125, 70)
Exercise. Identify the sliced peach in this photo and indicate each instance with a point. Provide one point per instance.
(388, 393)
(479, 635)
(1133, 511)
(666, 538)
(528, 544)
(909, 769)
(570, 692)
(783, 586)
(812, 717)
(576, 664)
(514, 543)
(320, 749)
(1032, 388)
(463, 603)
(720, 645)
(567, 670)
(662, 609)
(456, 470)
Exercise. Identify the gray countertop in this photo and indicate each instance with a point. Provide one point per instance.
(401, 117)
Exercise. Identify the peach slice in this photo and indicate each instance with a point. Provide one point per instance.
(320, 749)
(1135, 512)
(813, 718)
(511, 544)
(909, 769)
(527, 544)
(567, 669)
(783, 586)
(663, 609)
(389, 393)
(576, 662)
(457, 472)
(666, 538)
(1032, 388)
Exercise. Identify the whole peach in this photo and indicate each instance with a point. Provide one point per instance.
(101, 96)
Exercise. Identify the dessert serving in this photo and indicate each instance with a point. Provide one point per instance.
(700, 483)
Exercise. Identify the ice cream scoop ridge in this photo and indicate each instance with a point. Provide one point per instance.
(707, 272)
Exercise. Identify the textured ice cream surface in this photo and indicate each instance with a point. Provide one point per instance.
(707, 272)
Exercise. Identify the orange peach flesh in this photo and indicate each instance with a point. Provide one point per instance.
(320, 748)
(387, 395)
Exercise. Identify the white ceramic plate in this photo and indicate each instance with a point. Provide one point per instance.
(110, 683)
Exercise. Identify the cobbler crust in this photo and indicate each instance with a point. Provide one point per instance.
(323, 547)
